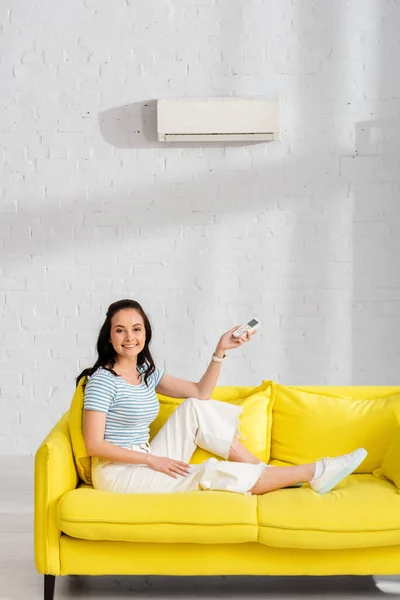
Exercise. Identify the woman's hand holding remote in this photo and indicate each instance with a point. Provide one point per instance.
(228, 342)
(168, 465)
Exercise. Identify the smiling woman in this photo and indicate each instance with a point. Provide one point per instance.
(120, 403)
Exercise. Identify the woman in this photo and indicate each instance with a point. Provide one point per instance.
(120, 403)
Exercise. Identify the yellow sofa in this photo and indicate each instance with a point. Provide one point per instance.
(355, 529)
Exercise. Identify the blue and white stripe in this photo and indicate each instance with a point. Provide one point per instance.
(130, 408)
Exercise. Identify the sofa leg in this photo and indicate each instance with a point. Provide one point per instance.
(49, 583)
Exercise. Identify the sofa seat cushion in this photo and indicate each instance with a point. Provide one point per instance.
(362, 511)
(192, 517)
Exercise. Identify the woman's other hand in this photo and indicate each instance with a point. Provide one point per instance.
(168, 465)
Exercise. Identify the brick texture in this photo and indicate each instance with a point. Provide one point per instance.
(302, 233)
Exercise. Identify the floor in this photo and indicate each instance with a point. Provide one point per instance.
(20, 581)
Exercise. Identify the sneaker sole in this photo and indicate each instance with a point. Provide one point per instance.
(349, 469)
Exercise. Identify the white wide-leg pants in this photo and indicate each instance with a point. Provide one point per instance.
(209, 424)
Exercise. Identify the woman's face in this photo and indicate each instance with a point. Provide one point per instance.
(128, 334)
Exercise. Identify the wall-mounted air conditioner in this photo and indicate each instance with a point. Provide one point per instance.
(217, 119)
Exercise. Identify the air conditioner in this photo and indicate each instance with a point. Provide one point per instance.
(217, 119)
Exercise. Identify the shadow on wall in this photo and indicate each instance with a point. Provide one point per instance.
(135, 126)
(374, 174)
(316, 347)
(376, 248)
(131, 126)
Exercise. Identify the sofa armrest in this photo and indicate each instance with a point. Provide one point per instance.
(55, 475)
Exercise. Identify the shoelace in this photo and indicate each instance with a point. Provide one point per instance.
(333, 459)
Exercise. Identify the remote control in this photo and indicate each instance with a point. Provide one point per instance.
(250, 327)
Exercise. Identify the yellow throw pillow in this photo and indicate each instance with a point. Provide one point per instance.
(390, 468)
(255, 420)
(75, 424)
(307, 426)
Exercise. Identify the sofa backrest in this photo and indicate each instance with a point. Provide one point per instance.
(287, 425)
(310, 422)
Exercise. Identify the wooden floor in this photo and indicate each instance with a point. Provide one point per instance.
(20, 581)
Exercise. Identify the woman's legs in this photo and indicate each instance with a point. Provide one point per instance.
(280, 477)
(238, 453)
(271, 479)
(213, 425)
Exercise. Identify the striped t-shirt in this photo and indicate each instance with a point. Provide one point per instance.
(130, 408)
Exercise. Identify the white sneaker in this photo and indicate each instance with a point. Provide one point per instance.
(337, 468)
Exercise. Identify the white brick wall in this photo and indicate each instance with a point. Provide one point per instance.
(302, 233)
